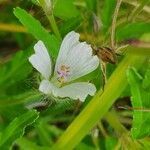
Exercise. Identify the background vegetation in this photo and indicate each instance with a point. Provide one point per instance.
(117, 117)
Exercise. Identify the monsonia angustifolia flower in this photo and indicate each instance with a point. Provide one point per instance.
(74, 60)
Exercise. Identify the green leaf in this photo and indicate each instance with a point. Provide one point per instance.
(39, 32)
(16, 129)
(28, 97)
(91, 5)
(35, 2)
(141, 105)
(16, 110)
(69, 25)
(15, 70)
(25, 144)
(146, 80)
(43, 134)
(107, 13)
(83, 146)
(65, 9)
(110, 143)
(145, 143)
(132, 30)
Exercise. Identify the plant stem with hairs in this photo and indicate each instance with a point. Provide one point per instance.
(113, 28)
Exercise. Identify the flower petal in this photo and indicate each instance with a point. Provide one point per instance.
(69, 41)
(41, 60)
(77, 56)
(79, 90)
(47, 87)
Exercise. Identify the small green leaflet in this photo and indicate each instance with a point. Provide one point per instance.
(16, 128)
(39, 32)
(141, 105)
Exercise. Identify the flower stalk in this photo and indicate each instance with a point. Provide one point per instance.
(54, 26)
(47, 6)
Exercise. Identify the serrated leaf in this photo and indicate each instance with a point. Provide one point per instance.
(132, 30)
(38, 31)
(141, 104)
(65, 9)
(16, 129)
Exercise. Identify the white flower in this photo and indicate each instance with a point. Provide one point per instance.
(74, 60)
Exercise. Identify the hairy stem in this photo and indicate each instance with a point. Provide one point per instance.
(54, 26)
(47, 6)
(113, 28)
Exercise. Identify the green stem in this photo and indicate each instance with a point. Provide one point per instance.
(54, 26)
(99, 105)
(47, 7)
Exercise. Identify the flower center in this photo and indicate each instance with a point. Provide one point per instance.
(63, 73)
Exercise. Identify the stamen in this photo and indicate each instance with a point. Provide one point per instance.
(63, 72)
